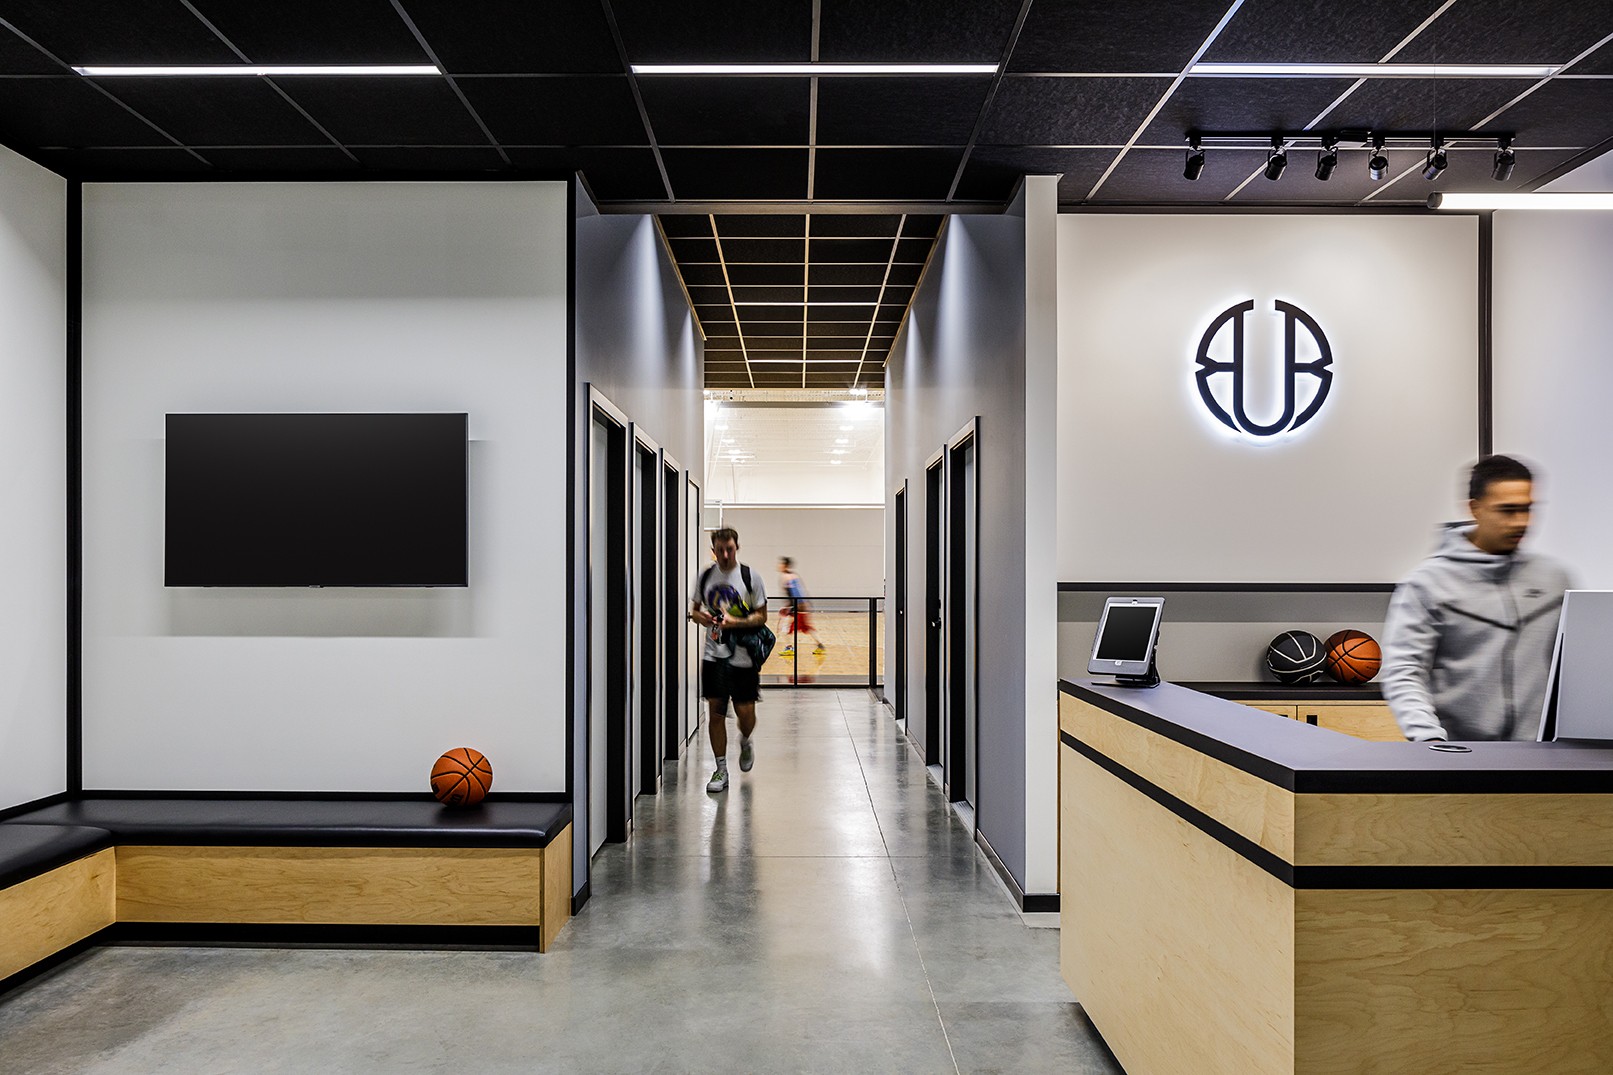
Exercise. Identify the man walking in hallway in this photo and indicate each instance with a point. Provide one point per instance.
(730, 600)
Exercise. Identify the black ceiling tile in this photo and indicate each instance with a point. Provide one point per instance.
(759, 344)
(1146, 176)
(1146, 36)
(1599, 62)
(1564, 112)
(897, 31)
(885, 173)
(771, 356)
(899, 111)
(218, 111)
(761, 275)
(517, 36)
(728, 111)
(782, 313)
(470, 161)
(871, 273)
(707, 294)
(17, 57)
(854, 225)
(922, 226)
(1349, 184)
(386, 111)
(301, 159)
(767, 293)
(1241, 104)
(687, 250)
(114, 164)
(821, 315)
(761, 226)
(993, 172)
(1423, 104)
(906, 274)
(737, 173)
(67, 113)
(914, 250)
(117, 32)
(685, 225)
(331, 31)
(1500, 31)
(752, 250)
(580, 111)
(1070, 111)
(876, 251)
(1282, 31)
(837, 293)
(613, 174)
(896, 294)
(719, 31)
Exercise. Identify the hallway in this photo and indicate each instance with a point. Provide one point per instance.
(828, 913)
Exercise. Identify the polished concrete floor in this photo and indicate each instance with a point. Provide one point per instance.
(828, 913)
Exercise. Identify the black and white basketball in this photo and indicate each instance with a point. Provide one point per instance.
(1296, 657)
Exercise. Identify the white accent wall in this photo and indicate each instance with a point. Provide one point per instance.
(1554, 377)
(1152, 488)
(838, 552)
(33, 489)
(325, 297)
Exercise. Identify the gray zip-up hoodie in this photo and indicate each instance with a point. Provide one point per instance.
(1467, 646)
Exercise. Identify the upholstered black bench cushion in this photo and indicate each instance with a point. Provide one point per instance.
(28, 850)
(311, 822)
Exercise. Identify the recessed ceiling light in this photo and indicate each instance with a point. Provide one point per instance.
(814, 69)
(834, 462)
(1537, 200)
(842, 440)
(837, 451)
(244, 70)
(1372, 70)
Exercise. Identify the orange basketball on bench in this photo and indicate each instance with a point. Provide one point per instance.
(1353, 656)
(461, 777)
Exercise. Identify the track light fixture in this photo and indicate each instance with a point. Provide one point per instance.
(1277, 160)
(1377, 164)
(1436, 161)
(1505, 160)
(1195, 160)
(1327, 159)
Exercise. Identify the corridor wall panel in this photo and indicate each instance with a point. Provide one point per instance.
(1554, 377)
(325, 297)
(33, 489)
(1155, 486)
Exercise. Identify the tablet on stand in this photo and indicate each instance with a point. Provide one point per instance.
(1127, 636)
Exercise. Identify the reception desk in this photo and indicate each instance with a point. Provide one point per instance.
(1245, 893)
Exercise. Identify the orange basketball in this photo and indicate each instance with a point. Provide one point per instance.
(1353, 656)
(461, 777)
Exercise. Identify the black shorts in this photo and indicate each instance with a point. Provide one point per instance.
(721, 681)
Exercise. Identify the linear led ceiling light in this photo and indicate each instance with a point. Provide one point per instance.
(246, 70)
(1537, 200)
(814, 69)
(1373, 70)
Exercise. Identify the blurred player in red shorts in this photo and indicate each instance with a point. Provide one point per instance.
(796, 618)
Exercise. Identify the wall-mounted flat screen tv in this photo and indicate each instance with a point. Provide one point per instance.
(316, 500)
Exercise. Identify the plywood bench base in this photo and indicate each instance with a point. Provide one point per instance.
(42, 915)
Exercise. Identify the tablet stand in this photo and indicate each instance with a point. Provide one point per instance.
(1147, 679)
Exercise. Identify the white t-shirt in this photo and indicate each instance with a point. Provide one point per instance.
(725, 592)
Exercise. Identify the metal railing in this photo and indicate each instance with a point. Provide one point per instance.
(833, 642)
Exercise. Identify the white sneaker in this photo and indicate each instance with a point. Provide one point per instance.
(718, 781)
(747, 756)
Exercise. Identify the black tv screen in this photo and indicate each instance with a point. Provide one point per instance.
(316, 500)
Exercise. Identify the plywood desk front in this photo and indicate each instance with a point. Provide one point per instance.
(1244, 893)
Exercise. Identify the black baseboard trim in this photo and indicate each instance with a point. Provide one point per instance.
(319, 936)
(310, 796)
(579, 899)
(54, 960)
(1028, 902)
(38, 804)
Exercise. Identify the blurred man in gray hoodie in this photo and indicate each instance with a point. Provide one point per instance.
(1467, 646)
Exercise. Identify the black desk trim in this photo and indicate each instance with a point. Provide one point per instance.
(1353, 878)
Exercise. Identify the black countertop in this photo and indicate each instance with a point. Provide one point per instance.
(1303, 758)
(1266, 691)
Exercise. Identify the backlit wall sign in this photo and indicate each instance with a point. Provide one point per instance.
(1223, 382)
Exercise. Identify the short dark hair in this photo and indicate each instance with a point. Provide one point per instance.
(1492, 469)
(726, 533)
(786, 561)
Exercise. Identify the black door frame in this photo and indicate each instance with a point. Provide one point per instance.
(613, 605)
(934, 535)
(899, 583)
(647, 578)
(674, 607)
(961, 618)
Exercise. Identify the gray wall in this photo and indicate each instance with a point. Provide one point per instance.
(963, 354)
(838, 552)
(635, 340)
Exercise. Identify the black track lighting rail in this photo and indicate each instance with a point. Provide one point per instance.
(1346, 138)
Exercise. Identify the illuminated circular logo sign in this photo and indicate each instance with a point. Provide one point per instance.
(1222, 381)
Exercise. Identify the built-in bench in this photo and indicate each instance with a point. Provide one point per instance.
(146, 865)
